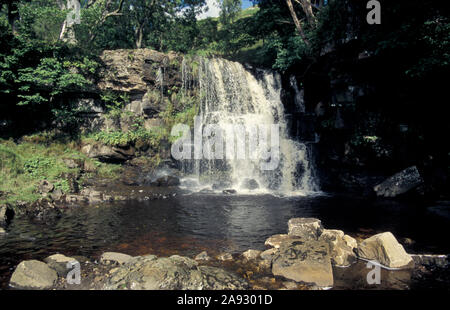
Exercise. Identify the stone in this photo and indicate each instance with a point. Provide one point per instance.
(3, 217)
(115, 258)
(340, 248)
(399, 183)
(203, 256)
(431, 260)
(307, 228)
(229, 191)
(58, 262)
(91, 195)
(45, 187)
(268, 255)
(33, 274)
(276, 240)
(171, 273)
(2, 231)
(225, 257)
(251, 254)
(386, 250)
(250, 184)
(166, 181)
(108, 153)
(57, 194)
(304, 261)
(73, 163)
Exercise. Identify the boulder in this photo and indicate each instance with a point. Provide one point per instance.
(171, 273)
(340, 247)
(386, 250)
(45, 187)
(307, 228)
(33, 274)
(115, 258)
(203, 256)
(229, 191)
(108, 153)
(250, 184)
(167, 181)
(399, 183)
(276, 240)
(251, 254)
(304, 261)
(58, 262)
(225, 257)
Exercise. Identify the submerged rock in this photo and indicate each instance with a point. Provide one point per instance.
(386, 250)
(304, 260)
(399, 183)
(307, 228)
(115, 258)
(33, 274)
(58, 262)
(171, 273)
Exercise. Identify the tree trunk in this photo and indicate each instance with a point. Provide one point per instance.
(67, 33)
(307, 8)
(297, 23)
(13, 16)
(139, 35)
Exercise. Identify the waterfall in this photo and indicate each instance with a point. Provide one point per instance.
(249, 100)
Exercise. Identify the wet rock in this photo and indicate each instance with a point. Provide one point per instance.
(57, 194)
(225, 257)
(269, 254)
(307, 228)
(167, 181)
(115, 258)
(108, 153)
(340, 248)
(276, 240)
(171, 273)
(399, 183)
(33, 274)
(431, 260)
(202, 256)
(251, 254)
(386, 250)
(3, 209)
(250, 184)
(92, 195)
(58, 262)
(45, 187)
(229, 192)
(2, 231)
(304, 261)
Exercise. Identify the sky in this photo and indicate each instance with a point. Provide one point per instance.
(214, 11)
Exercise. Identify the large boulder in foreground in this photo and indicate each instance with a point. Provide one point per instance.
(386, 250)
(399, 183)
(340, 247)
(171, 273)
(304, 261)
(33, 274)
(307, 228)
(58, 262)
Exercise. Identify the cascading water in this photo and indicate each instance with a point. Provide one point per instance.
(232, 95)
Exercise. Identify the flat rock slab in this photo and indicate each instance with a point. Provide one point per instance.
(58, 262)
(399, 183)
(171, 273)
(115, 258)
(307, 228)
(386, 250)
(251, 254)
(304, 261)
(33, 274)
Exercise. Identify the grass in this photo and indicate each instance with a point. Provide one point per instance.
(23, 165)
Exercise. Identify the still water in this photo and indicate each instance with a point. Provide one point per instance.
(187, 224)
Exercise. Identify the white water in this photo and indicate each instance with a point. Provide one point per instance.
(232, 95)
